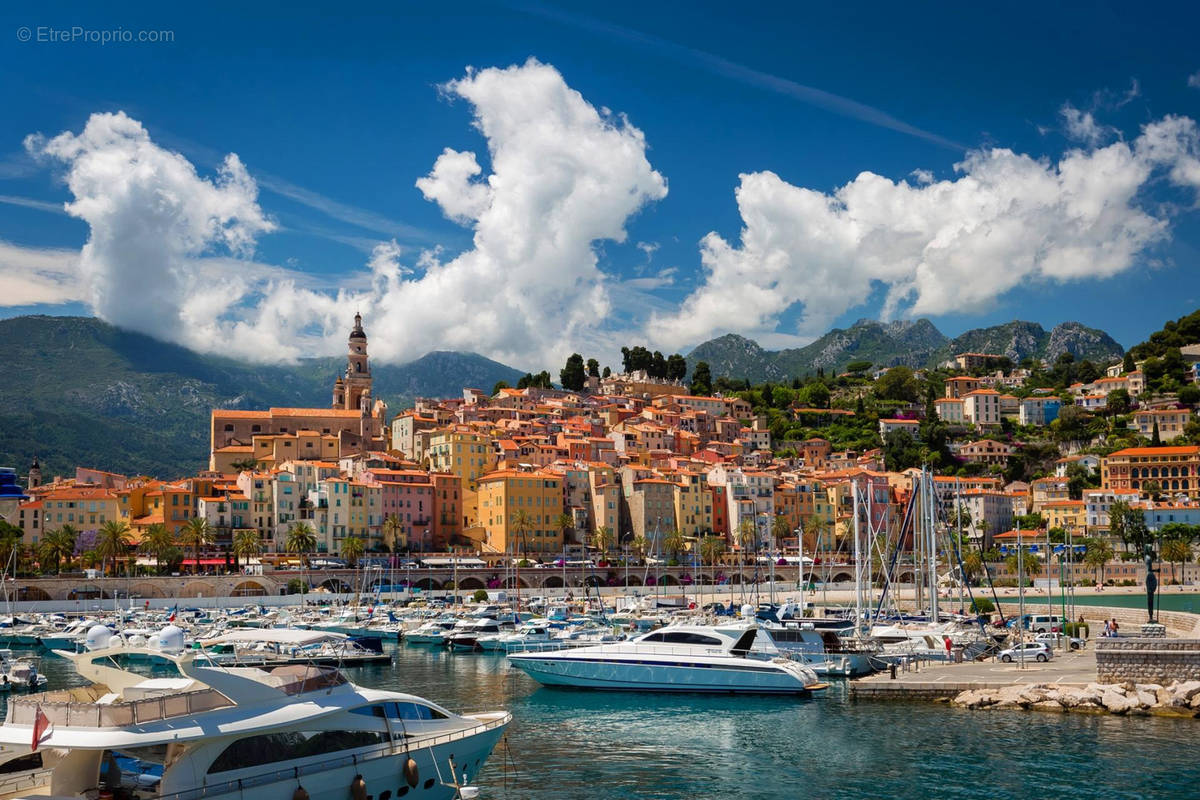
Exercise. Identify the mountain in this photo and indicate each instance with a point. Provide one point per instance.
(77, 391)
(916, 343)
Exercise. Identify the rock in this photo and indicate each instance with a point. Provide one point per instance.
(1172, 711)
(1089, 708)
(1006, 702)
(973, 698)
(1187, 689)
(1164, 697)
(1047, 705)
(1118, 703)
(1194, 702)
(1145, 698)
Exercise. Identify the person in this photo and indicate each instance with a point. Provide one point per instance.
(1115, 627)
(1107, 629)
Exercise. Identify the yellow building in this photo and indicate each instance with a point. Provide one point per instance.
(84, 508)
(693, 504)
(1065, 514)
(502, 494)
(463, 452)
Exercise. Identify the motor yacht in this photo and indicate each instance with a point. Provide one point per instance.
(229, 733)
(467, 638)
(529, 636)
(739, 657)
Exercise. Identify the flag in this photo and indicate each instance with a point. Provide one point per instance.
(41, 727)
(171, 616)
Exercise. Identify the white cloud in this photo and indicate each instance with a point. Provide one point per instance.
(35, 276)
(562, 177)
(949, 246)
(1194, 80)
(1081, 126)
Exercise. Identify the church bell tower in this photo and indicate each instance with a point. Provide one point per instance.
(349, 390)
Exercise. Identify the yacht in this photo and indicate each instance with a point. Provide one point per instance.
(228, 733)
(531, 635)
(739, 657)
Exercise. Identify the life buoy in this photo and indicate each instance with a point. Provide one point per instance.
(300, 794)
(358, 788)
(412, 776)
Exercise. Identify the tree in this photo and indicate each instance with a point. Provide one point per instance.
(522, 524)
(676, 367)
(498, 386)
(607, 372)
(1029, 564)
(246, 545)
(857, 367)
(1129, 525)
(197, 534)
(1099, 552)
(1189, 394)
(57, 546)
(1117, 402)
(747, 535)
(1127, 364)
(352, 550)
(701, 380)
(301, 540)
(602, 539)
(593, 368)
(112, 542)
(816, 395)
(574, 374)
(674, 543)
(244, 465)
(566, 523)
(1176, 550)
(640, 546)
(898, 384)
(393, 526)
(972, 564)
(711, 549)
(157, 542)
(780, 529)
(900, 451)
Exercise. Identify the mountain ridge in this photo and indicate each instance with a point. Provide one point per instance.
(916, 343)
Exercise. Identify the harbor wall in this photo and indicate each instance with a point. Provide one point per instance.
(1139, 660)
(1130, 620)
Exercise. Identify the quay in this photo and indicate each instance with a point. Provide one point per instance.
(934, 680)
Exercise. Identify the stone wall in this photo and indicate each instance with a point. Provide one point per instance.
(1179, 623)
(1139, 660)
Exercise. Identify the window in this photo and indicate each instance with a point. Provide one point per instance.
(254, 751)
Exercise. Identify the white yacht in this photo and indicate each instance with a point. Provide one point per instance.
(233, 733)
(739, 657)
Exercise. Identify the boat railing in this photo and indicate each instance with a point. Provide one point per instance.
(634, 648)
(414, 742)
(71, 714)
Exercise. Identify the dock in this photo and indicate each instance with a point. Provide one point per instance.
(940, 679)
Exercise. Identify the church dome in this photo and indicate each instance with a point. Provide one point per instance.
(358, 332)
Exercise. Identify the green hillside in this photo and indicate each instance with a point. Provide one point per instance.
(78, 391)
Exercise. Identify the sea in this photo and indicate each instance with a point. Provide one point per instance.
(620, 745)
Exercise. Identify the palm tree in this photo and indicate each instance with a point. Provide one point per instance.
(198, 534)
(711, 549)
(1028, 564)
(112, 542)
(640, 546)
(522, 524)
(301, 540)
(57, 546)
(246, 545)
(1099, 552)
(674, 544)
(816, 526)
(157, 541)
(972, 563)
(10, 542)
(564, 522)
(780, 529)
(1176, 550)
(602, 539)
(352, 550)
(747, 536)
(393, 526)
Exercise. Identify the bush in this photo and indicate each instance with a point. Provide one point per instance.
(480, 596)
(296, 586)
(982, 605)
(1074, 628)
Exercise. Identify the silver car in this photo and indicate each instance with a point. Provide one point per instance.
(1027, 651)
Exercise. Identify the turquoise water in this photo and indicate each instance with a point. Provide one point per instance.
(1166, 601)
(569, 744)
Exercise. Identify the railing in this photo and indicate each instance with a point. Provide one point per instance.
(295, 773)
(22, 711)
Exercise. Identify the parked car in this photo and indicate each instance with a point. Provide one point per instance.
(1053, 640)
(1027, 651)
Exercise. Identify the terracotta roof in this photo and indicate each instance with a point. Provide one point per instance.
(1181, 450)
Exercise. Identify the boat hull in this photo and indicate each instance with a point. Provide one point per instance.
(651, 676)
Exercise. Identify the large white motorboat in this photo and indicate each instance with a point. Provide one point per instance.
(229, 733)
(739, 657)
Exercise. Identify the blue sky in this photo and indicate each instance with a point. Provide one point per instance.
(335, 117)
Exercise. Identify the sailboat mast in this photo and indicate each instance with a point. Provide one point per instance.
(858, 599)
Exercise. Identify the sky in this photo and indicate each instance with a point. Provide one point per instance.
(524, 179)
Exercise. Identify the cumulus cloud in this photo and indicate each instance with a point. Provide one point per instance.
(947, 246)
(168, 249)
(1194, 80)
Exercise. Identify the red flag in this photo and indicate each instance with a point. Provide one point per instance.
(41, 727)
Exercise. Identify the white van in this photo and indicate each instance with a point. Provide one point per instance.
(1045, 623)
